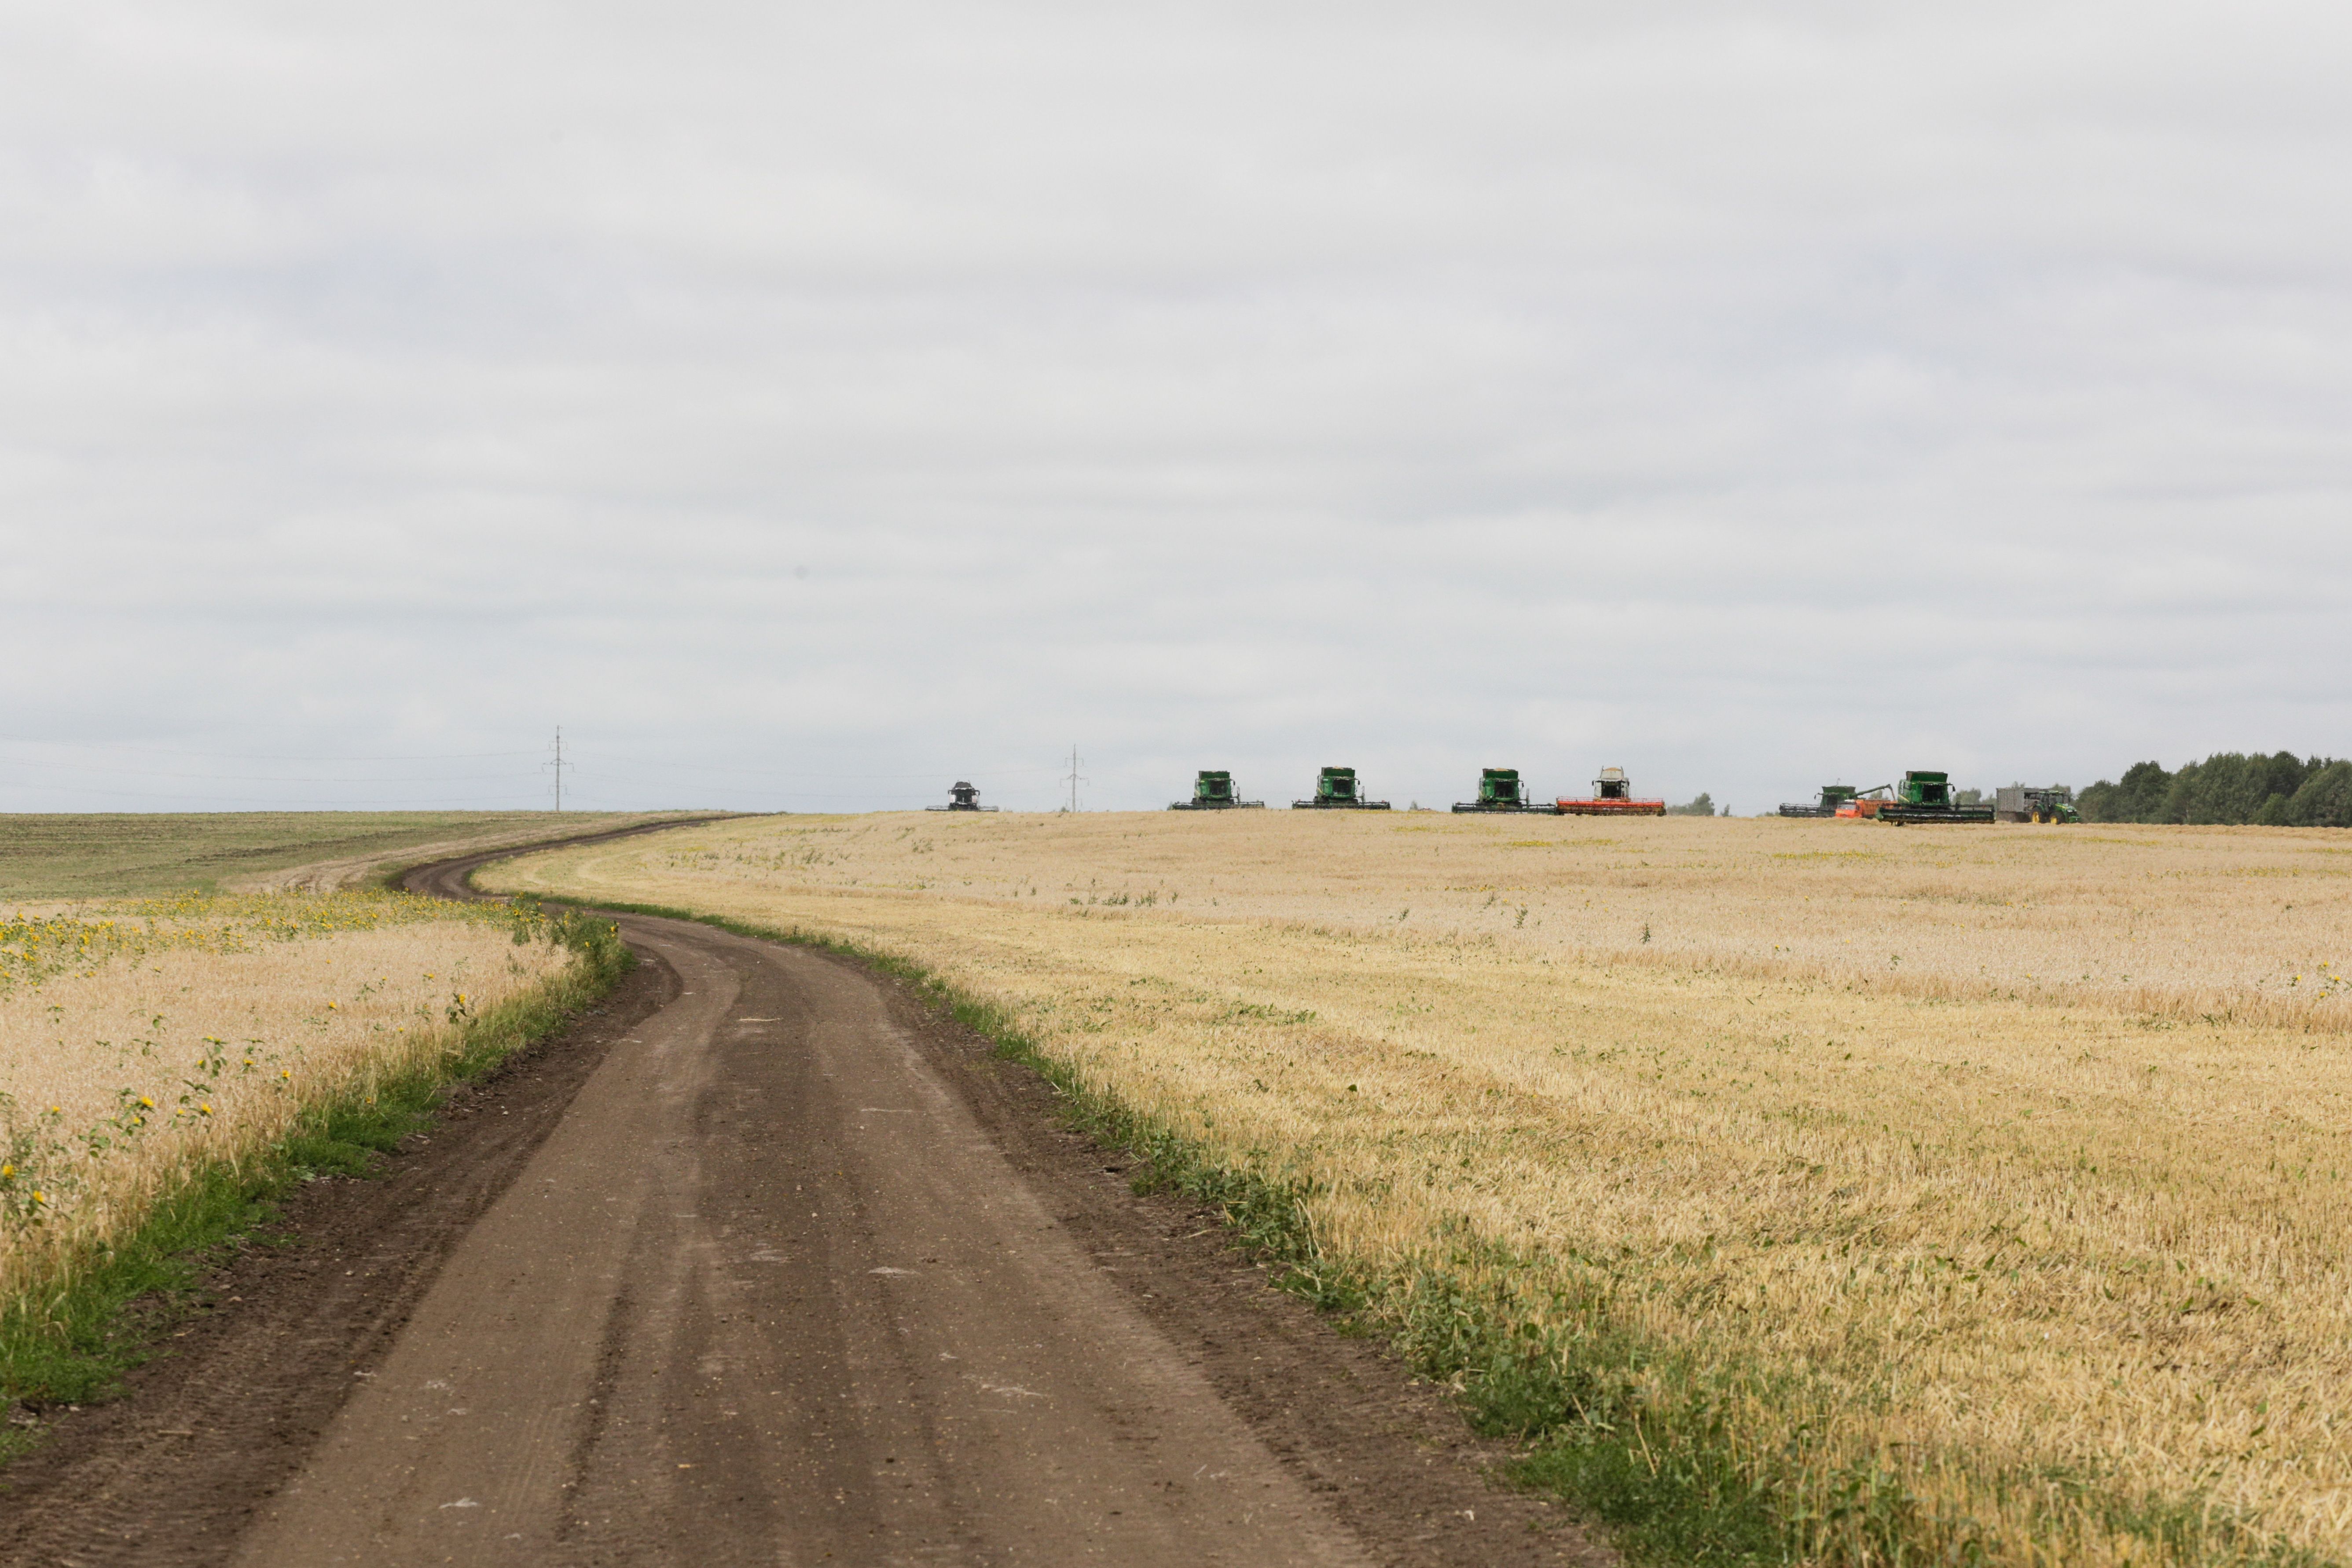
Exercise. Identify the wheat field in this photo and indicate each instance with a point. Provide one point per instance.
(2007, 1163)
(140, 1039)
(65, 856)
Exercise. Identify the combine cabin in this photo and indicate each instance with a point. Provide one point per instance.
(1500, 789)
(1212, 790)
(1927, 797)
(961, 797)
(1336, 789)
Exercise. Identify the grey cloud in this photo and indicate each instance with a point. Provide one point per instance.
(809, 407)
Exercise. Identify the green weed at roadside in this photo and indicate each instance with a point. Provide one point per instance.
(69, 1338)
(1666, 1450)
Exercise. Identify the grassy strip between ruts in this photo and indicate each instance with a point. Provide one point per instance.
(1666, 1470)
(70, 1339)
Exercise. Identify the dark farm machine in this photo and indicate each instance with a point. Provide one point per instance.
(1927, 797)
(1500, 789)
(2024, 803)
(1922, 797)
(1612, 796)
(1833, 797)
(1336, 789)
(961, 797)
(1214, 790)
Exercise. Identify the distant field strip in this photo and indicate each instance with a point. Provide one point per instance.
(1984, 1194)
(55, 855)
(142, 1040)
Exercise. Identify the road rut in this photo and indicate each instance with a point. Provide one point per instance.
(769, 1294)
(763, 1261)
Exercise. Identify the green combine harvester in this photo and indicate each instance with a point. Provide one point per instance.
(1499, 789)
(1212, 790)
(1335, 790)
(1927, 797)
(1832, 798)
(963, 796)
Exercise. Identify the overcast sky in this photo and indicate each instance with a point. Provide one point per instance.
(807, 406)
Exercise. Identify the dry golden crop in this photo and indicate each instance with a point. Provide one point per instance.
(2002, 1170)
(139, 1039)
(69, 855)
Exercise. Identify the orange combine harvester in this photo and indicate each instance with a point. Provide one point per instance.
(1612, 796)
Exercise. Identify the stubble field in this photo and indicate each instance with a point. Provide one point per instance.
(1895, 1194)
(150, 1025)
(142, 1040)
(48, 857)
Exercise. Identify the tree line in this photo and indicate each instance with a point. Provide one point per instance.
(2281, 790)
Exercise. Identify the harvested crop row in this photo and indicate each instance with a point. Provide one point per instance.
(69, 855)
(2250, 922)
(2036, 1271)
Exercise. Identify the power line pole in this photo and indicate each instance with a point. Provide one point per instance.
(559, 764)
(1075, 781)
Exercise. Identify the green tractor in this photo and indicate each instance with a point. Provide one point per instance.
(2053, 805)
(1832, 798)
(1927, 797)
(2026, 802)
(1335, 790)
(1499, 789)
(1214, 790)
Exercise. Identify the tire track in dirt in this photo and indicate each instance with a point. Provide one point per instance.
(285, 1329)
(778, 1266)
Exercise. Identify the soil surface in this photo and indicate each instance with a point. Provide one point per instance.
(353, 870)
(763, 1261)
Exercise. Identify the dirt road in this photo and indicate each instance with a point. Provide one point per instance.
(799, 1274)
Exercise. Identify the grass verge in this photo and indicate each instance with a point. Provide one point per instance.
(69, 1338)
(1666, 1482)
(1637, 1434)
